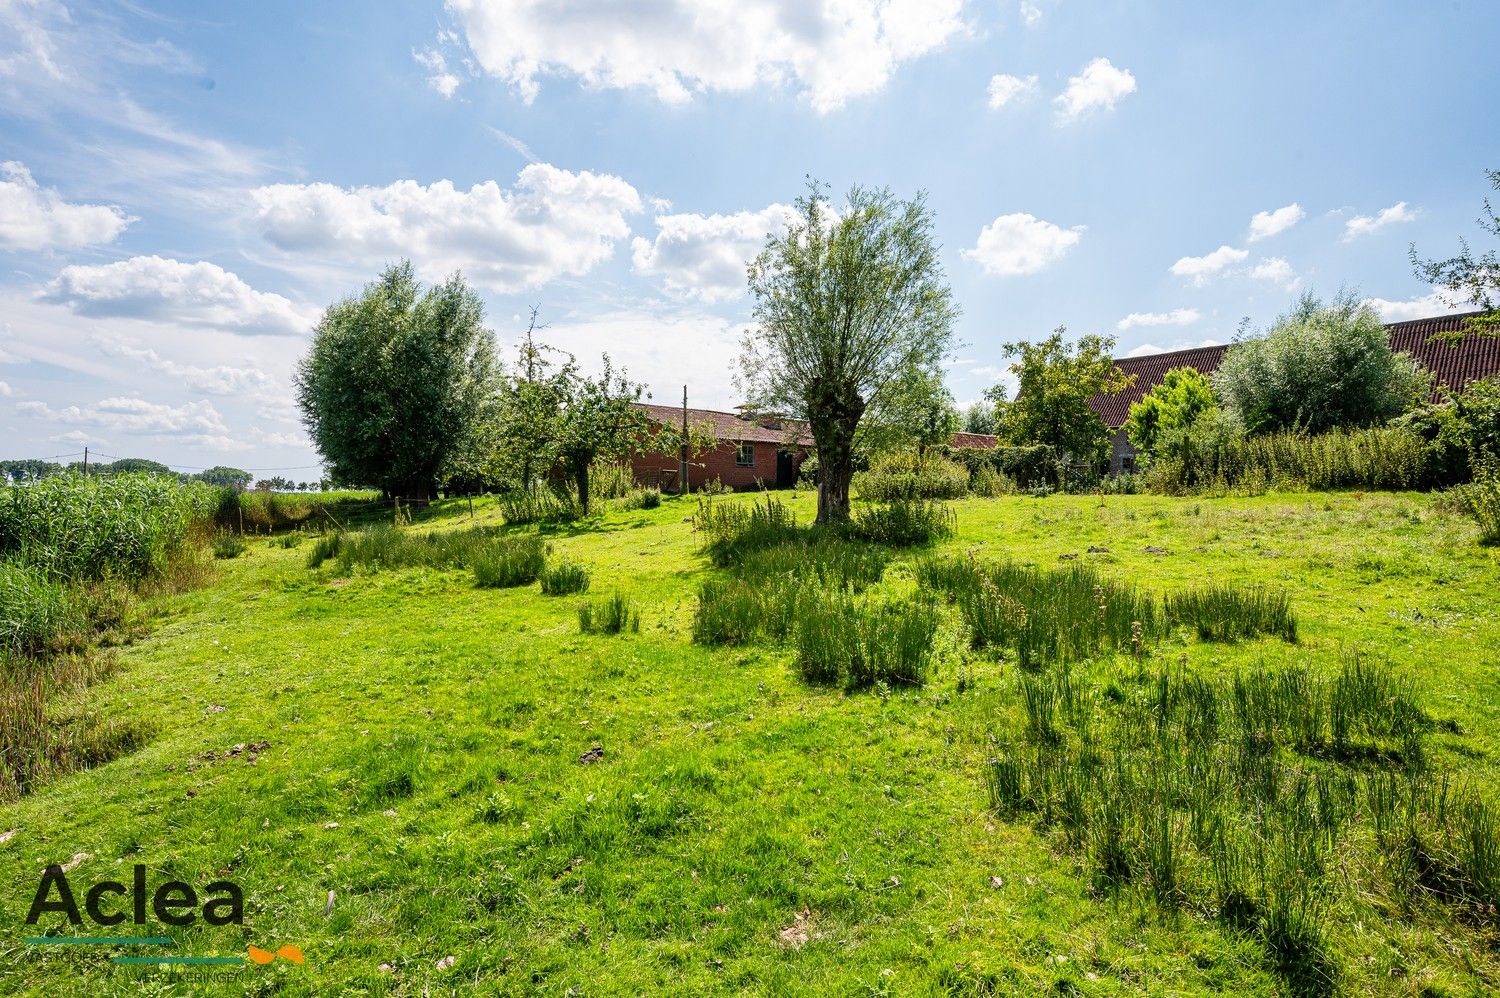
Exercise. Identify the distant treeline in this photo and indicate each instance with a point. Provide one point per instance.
(34, 470)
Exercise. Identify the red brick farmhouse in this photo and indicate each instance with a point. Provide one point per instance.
(752, 453)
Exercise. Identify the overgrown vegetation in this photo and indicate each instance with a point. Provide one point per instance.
(1211, 460)
(76, 552)
(1273, 800)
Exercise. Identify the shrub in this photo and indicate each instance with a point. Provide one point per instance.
(988, 483)
(1319, 368)
(648, 498)
(904, 523)
(227, 546)
(612, 616)
(515, 561)
(903, 475)
(1481, 500)
(1029, 466)
(564, 578)
(1227, 612)
(610, 480)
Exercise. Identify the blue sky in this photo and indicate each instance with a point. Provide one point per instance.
(186, 186)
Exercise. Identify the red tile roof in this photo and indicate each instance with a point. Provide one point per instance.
(1149, 372)
(731, 426)
(1453, 364)
(986, 441)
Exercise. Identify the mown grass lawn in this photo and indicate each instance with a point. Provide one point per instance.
(743, 832)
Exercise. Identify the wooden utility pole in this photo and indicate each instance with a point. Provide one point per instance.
(682, 452)
(86, 455)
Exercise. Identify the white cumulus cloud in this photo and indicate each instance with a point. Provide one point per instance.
(552, 223)
(831, 50)
(192, 422)
(1265, 224)
(1021, 243)
(1200, 268)
(1363, 225)
(1147, 349)
(1100, 86)
(33, 217)
(1005, 88)
(1176, 317)
(705, 256)
(1277, 271)
(158, 289)
(1421, 307)
(1030, 13)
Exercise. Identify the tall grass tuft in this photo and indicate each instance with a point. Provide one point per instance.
(508, 562)
(615, 615)
(539, 504)
(129, 526)
(564, 578)
(1376, 458)
(1044, 615)
(1267, 799)
(1228, 612)
(858, 643)
(732, 528)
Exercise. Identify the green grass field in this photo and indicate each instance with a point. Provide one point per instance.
(422, 750)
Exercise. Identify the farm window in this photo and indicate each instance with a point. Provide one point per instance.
(744, 455)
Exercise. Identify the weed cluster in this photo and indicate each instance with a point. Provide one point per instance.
(615, 615)
(1074, 613)
(510, 561)
(564, 579)
(1264, 800)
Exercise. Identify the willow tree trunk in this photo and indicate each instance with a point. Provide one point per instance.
(833, 416)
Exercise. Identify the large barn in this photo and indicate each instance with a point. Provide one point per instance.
(1453, 363)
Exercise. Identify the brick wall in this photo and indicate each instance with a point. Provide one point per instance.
(661, 469)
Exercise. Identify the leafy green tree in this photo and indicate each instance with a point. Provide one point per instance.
(1319, 368)
(601, 418)
(1176, 403)
(918, 412)
(532, 398)
(398, 382)
(225, 475)
(1057, 380)
(979, 417)
(850, 305)
(132, 465)
(28, 470)
(1466, 279)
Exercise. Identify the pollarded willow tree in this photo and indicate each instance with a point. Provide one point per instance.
(398, 382)
(851, 310)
